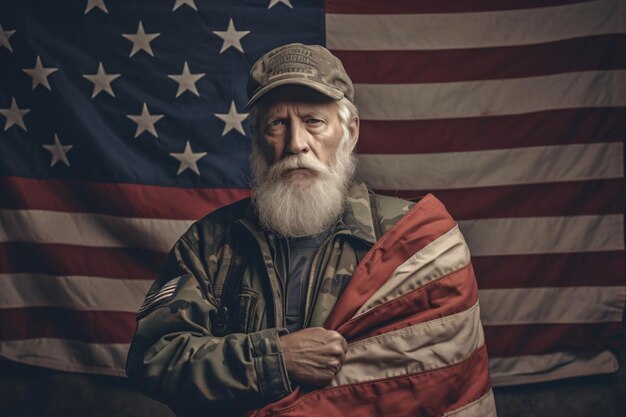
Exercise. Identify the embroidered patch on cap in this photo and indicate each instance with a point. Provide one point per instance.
(164, 294)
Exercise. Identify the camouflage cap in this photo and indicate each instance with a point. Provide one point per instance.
(308, 65)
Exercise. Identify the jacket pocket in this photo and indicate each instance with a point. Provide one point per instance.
(246, 315)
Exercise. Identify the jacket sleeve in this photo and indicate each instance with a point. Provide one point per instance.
(175, 357)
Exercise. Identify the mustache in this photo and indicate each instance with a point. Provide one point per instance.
(296, 162)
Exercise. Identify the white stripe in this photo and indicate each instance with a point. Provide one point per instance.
(162, 296)
(440, 257)
(165, 288)
(542, 235)
(552, 305)
(537, 164)
(539, 368)
(68, 355)
(168, 285)
(485, 406)
(418, 348)
(72, 292)
(473, 30)
(491, 97)
(84, 229)
(159, 294)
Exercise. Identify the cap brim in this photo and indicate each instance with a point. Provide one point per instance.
(333, 93)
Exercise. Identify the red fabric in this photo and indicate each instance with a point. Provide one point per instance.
(425, 222)
(451, 6)
(560, 270)
(424, 394)
(536, 339)
(433, 66)
(60, 259)
(466, 134)
(132, 200)
(429, 393)
(512, 200)
(81, 326)
(449, 295)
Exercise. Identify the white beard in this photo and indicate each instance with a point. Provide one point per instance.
(294, 211)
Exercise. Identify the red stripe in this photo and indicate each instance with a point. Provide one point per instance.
(418, 395)
(446, 296)
(602, 52)
(528, 200)
(449, 6)
(583, 269)
(56, 259)
(425, 222)
(536, 339)
(555, 127)
(59, 323)
(130, 200)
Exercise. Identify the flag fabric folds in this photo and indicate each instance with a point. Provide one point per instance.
(123, 122)
(411, 316)
(511, 113)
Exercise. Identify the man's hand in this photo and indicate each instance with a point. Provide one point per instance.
(314, 355)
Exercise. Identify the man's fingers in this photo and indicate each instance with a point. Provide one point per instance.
(335, 364)
(314, 355)
(339, 337)
(344, 344)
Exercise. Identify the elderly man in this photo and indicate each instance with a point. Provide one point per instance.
(239, 318)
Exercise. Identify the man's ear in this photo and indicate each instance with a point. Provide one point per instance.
(353, 127)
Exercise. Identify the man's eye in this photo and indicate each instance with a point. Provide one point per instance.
(314, 122)
(274, 123)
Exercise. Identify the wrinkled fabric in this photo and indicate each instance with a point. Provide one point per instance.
(178, 357)
(411, 316)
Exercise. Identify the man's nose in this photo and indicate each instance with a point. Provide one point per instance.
(298, 139)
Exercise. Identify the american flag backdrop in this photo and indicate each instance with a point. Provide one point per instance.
(121, 122)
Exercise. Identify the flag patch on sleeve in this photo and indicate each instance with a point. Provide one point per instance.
(164, 294)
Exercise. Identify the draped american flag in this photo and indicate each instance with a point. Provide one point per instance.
(122, 122)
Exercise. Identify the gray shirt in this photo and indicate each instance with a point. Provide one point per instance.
(295, 258)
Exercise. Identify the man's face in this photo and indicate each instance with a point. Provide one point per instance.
(296, 121)
(301, 161)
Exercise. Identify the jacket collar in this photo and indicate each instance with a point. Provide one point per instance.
(358, 217)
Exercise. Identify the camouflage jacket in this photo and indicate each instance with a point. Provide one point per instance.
(182, 356)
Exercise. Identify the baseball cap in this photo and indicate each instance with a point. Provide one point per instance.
(312, 66)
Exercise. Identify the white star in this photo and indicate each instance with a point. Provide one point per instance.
(232, 120)
(232, 37)
(101, 81)
(275, 2)
(40, 74)
(96, 3)
(188, 159)
(187, 81)
(14, 115)
(58, 151)
(145, 121)
(141, 40)
(4, 38)
(189, 3)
